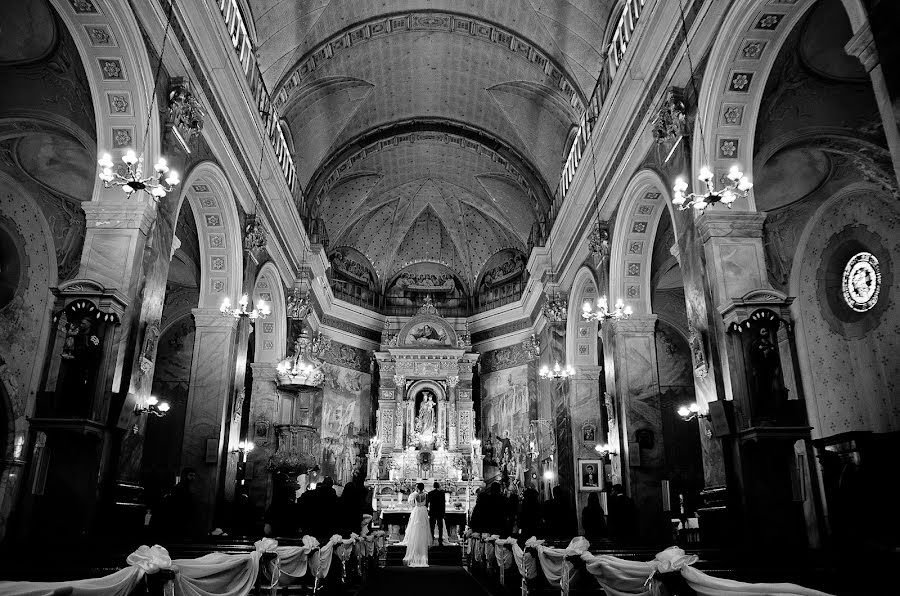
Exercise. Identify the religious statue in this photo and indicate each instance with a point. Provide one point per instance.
(425, 420)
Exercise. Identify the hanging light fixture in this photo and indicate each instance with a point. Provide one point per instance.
(303, 371)
(260, 311)
(738, 188)
(132, 179)
(557, 373)
(603, 313)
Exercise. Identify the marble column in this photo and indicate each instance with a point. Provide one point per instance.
(263, 415)
(584, 405)
(206, 419)
(633, 382)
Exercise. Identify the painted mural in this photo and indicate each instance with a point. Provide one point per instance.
(346, 411)
(506, 410)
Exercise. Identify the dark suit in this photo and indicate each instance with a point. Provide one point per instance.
(436, 502)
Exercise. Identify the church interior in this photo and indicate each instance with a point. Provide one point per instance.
(627, 254)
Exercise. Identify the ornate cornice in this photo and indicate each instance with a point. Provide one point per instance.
(730, 225)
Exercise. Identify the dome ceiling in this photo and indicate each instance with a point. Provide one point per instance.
(430, 130)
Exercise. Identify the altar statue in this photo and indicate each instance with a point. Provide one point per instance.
(425, 422)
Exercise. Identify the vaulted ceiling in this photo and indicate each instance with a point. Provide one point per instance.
(430, 129)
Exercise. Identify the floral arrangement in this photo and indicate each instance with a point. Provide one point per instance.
(460, 462)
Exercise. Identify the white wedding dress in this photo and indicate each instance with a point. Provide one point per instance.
(418, 533)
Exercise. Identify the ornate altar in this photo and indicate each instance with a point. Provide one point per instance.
(425, 419)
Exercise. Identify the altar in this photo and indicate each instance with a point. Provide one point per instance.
(425, 422)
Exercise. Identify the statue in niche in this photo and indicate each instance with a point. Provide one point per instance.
(506, 451)
(425, 420)
(765, 373)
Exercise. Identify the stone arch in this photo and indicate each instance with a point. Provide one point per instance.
(644, 200)
(270, 333)
(581, 335)
(119, 75)
(733, 86)
(209, 195)
(439, 391)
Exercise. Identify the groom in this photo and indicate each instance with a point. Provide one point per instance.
(435, 501)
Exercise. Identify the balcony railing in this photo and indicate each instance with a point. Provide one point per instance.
(616, 51)
(243, 46)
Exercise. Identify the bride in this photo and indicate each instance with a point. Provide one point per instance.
(418, 534)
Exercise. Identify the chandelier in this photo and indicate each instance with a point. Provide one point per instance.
(133, 179)
(738, 188)
(303, 371)
(603, 313)
(557, 372)
(260, 311)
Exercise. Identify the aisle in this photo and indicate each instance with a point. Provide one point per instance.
(434, 581)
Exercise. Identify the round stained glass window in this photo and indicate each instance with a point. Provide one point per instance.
(861, 281)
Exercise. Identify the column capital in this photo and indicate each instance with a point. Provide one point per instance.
(213, 318)
(122, 214)
(637, 323)
(263, 371)
(862, 46)
(730, 225)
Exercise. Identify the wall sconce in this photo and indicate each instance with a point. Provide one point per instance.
(604, 449)
(152, 406)
(549, 475)
(690, 412)
(245, 447)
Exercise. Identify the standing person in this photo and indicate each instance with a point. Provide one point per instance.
(282, 517)
(529, 520)
(436, 502)
(178, 506)
(593, 518)
(558, 517)
(417, 539)
(621, 515)
(350, 509)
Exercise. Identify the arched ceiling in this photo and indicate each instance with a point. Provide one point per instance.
(430, 129)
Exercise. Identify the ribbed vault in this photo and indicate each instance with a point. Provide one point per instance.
(430, 130)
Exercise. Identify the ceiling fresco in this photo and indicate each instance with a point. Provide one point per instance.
(354, 80)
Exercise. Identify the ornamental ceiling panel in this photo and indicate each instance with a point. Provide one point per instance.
(567, 33)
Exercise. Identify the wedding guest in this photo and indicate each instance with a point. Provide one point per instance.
(480, 514)
(497, 508)
(282, 518)
(593, 518)
(350, 507)
(177, 507)
(621, 515)
(559, 519)
(529, 520)
(320, 511)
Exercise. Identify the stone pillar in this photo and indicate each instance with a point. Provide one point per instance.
(260, 430)
(584, 405)
(862, 46)
(205, 427)
(630, 349)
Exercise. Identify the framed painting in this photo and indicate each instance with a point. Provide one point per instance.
(590, 475)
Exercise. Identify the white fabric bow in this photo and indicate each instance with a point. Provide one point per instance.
(673, 559)
(266, 545)
(150, 559)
